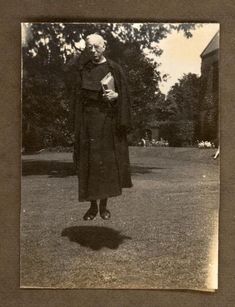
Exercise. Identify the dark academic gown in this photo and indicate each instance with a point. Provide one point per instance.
(101, 127)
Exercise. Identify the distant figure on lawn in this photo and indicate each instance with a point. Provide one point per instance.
(217, 153)
(102, 119)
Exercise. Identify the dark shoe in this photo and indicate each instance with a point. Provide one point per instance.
(90, 214)
(105, 214)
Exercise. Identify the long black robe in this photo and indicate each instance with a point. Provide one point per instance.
(114, 156)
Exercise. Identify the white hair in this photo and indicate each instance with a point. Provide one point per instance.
(95, 36)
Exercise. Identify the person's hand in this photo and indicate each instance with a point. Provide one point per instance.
(110, 95)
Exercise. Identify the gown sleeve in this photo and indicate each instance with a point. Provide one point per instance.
(124, 120)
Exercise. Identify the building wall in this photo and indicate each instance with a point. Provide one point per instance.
(209, 98)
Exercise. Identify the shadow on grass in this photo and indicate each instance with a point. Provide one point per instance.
(135, 169)
(95, 237)
(51, 168)
(62, 169)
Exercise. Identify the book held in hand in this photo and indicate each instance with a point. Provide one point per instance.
(107, 82)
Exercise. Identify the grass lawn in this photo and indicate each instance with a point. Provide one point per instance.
(162, 234)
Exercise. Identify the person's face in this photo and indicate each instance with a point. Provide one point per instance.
(96, 48)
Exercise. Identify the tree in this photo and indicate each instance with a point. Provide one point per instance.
(182, 111)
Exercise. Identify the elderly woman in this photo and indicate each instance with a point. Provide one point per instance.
(102, 120)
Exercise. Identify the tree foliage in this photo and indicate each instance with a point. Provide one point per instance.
(181, 111)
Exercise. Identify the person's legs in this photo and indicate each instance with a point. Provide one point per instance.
(91, 212)
(104, 212)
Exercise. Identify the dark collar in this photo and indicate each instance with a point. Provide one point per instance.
(110, 63)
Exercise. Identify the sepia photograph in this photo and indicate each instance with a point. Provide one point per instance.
(120, 180)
